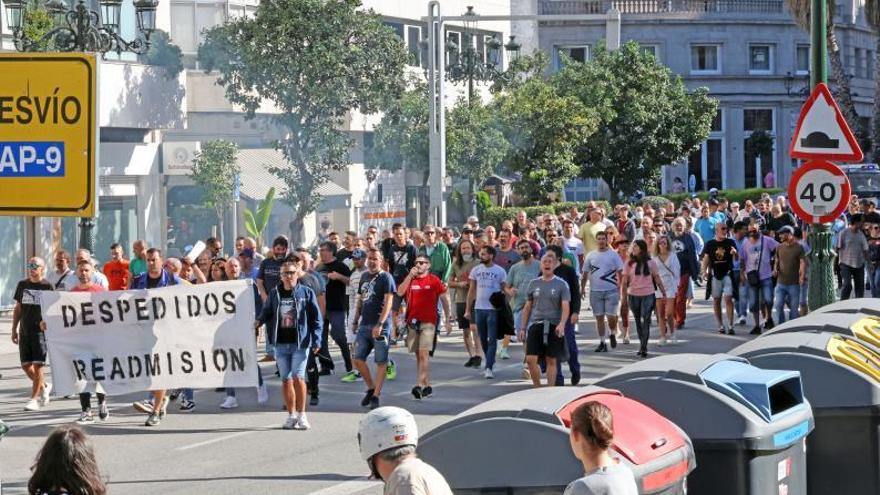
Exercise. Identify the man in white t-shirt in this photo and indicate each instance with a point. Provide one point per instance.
(572, 243)
(487, 278)
(604, 267)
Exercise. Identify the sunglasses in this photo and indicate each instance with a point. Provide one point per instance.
(430, 232)
(288, 274)
(34, 266)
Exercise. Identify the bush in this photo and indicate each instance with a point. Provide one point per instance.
(496, 215)
(656, 202)
(733, 195)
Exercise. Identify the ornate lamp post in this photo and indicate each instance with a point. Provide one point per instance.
(83, 30)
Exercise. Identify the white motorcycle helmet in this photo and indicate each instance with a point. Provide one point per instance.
(386, 428)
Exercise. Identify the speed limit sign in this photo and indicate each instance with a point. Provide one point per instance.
(819, 191)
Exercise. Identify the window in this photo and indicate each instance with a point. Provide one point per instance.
(705, 59)
(758, 119)
(577, 53)
(396, 26)
(706, 164)
(582, 190)
(760, 59)
(649, 49)
(802, 60)
(413, 37)
(717, 122)
(864, 136)
(369, 140)
(758, 166)
(857, 62)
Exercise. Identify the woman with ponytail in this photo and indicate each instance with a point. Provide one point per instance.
(592, 432)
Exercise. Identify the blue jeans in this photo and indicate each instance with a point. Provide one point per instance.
(742, 304)
(793, 294)
(875, 283)
(487, 325)
(291, 361)
(574, 364)
(762, 293)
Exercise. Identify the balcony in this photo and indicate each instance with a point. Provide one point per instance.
(583, 7)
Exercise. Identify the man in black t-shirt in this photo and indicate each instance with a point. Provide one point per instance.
(336, 275)
(26, 333)
(401, 258)
(718, 256)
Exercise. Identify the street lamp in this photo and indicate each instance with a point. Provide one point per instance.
(81, 29)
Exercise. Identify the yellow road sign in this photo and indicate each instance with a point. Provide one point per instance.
(48, 134)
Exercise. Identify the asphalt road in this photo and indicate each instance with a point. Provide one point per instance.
(245, 451)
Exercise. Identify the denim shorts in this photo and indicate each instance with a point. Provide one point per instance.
(365, 343)
(605, 302)
(291, 361)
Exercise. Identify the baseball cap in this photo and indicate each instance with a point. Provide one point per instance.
(358, 254)
(787, 229)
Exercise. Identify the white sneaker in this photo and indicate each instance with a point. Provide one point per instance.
(302, 423)
(32, 405)
(662, 341)
(626, 340)
(44, 395)
(674, 339)
(505, 354)
(741, 320)
(262, 394)
(489, 374)
(526, 375)
(229, 403)
(290, 423)
(86, 418)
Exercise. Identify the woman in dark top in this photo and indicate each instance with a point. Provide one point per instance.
(66, 465)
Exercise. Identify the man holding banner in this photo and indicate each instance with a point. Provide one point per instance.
(294, 326)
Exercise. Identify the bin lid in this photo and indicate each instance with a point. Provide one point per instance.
(772, 393)
(863, 327)
(838, 371)
(865, 305)
(640, 433)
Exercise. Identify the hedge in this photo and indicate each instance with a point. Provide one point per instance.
(497, 215)
(733, 195)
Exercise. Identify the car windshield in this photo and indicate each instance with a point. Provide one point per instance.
(865, 182)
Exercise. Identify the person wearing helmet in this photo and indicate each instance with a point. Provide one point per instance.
(388, 437)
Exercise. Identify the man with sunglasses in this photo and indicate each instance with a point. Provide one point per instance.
(26, 319)
(718, 256)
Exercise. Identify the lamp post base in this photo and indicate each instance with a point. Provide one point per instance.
(821, 277)
(87, 234)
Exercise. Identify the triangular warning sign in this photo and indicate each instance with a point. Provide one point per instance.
(822, 132)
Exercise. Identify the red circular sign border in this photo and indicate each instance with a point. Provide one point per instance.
(808, 167)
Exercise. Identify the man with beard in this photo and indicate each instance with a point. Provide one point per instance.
(757, 255)
(686, 249)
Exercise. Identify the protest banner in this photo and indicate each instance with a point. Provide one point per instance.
(193, 336)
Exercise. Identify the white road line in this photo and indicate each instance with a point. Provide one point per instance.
(348, 487)
(225, 437)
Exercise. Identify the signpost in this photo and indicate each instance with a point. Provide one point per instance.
(818, 192)
(48, 134)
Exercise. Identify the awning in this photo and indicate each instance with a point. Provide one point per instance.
(256, 180)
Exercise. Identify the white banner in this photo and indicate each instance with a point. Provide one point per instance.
(183, 336)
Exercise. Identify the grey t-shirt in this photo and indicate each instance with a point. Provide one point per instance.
(519, 277)
(616, 479)
(546, 297)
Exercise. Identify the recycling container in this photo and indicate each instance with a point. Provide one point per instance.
(842, 382)
(865, 305)
(859, 325)
(519, 444)
(747, 424)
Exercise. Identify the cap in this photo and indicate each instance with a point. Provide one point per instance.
(358, 254)
(247, 253)
(787, 229)
(713, 202)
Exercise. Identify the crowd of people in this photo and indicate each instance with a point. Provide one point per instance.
(524, 280)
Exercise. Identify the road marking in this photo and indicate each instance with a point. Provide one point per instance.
(348, 487)
(225, 437)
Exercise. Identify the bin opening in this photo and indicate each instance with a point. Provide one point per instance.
(785, 395)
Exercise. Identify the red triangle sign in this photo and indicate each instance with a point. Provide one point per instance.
(822, 133)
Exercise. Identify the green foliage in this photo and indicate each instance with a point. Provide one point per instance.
(401, 137)
(484, 201)
(164, 53)
(738, 195)
(37, 23)
(759, 143)
(496, 215)
(475, 146)
(656, 202)
(647, 118)
(214, 168)
(315, 61)
(256, 222)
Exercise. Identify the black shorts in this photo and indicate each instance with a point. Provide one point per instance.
(463, 323)
(32, 347)
(535, 346)
(396, 302)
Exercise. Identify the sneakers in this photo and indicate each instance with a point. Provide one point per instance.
(374, 402)
(489, 374)
(478, 361)
(267, 359)
(145, 406)
(367, 397)
(674, 339)
(722, 330)
(730, 331)
(290, 423)
(767, 326)
(314, 400)
(391, 371)
(741, 320)
(613, 339)
(526, 375)
(602, 347)
(351, 377)
(262, 394)
(174, 394)
(44, 394)
(32, 405)
(85, 418)
(187, 405)
(470, 362)
(153, 420)
(103, 411)
(505, 354)
(575, 378)
(626, 340)
(662, 341)
(427, 391)
(229, 403)
(302, 423)
(756, 330)
(417, 392)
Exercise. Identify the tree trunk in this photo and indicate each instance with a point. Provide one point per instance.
(844, 95)
(875, 131)
(297, 230)
(220, 225)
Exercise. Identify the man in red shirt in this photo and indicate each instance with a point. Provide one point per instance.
(116, 269)
(423, 290)
(84, 271)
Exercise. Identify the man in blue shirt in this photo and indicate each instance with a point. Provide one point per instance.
(705, 225)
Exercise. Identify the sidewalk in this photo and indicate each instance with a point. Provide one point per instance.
(6, 345)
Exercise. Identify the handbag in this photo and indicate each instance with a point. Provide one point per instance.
(753, 276)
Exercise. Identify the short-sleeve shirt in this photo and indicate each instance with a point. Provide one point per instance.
(752, 254)
(89, 288)
(336, 300)
(373, 288)
(720, 255)
(27, 294)
(488, 280)
(603, 267)
(401, 260)
(506, 259)
(62, 281)
(270, 273)
(588, 232)
(519, 277)
(422, 297)
(546, 297)
(789, 263)
(137, 266)
(616, 479)
(117, 274)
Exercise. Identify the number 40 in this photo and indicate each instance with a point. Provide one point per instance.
(827, 192)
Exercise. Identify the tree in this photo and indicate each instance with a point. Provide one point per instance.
(801, 10)
(872, 15)
(646, 116)
(315, 60)
(164, 53)
(215, 168)
(255, 222)
(544, 130)
(475, 144)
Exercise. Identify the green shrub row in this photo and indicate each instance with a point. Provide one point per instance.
(733, 195)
